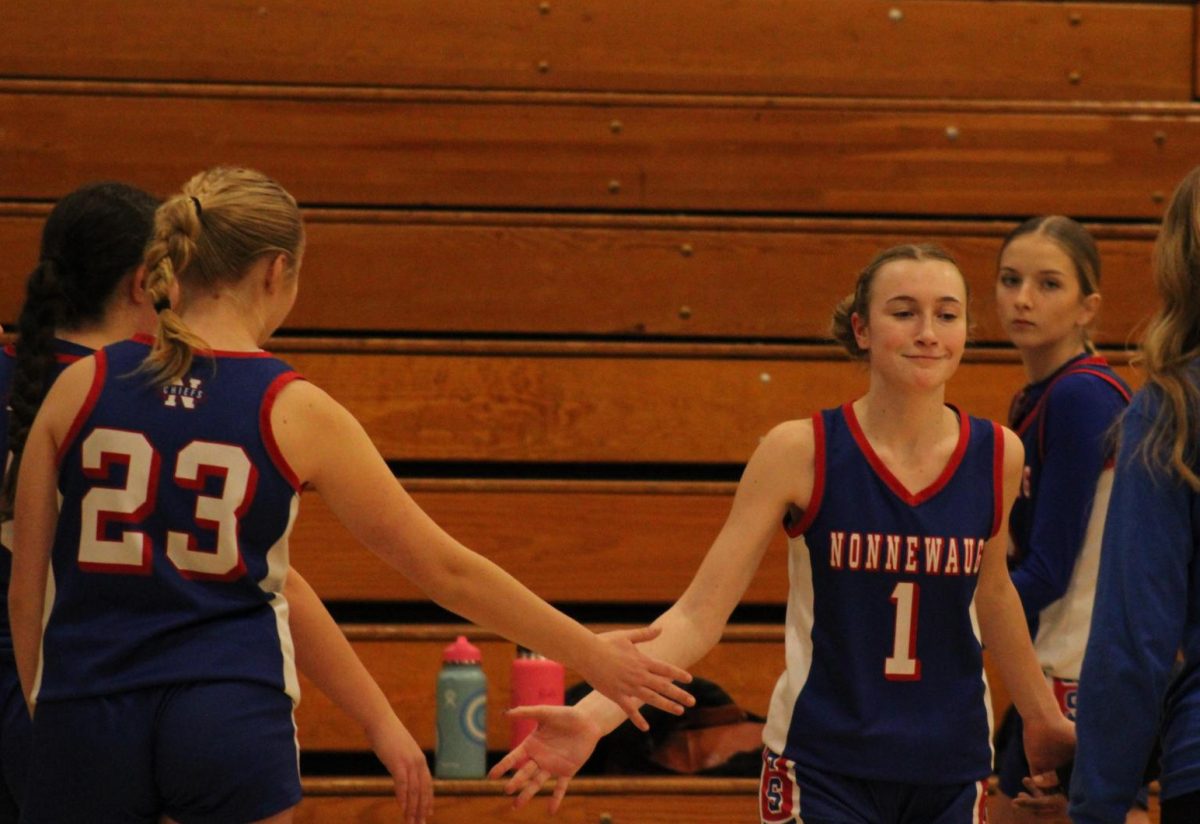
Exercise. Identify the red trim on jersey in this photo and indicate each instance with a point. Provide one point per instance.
(885, 474)
(1115, 384)
(268, 434)
(142, 337)
(60, 357)
(89, 403)
(997, 477)
(981, 807)
(1079, 367)
(818, 490)
(1091, 360)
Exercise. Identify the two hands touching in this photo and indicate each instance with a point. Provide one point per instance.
(1047, 747)
(564, 737)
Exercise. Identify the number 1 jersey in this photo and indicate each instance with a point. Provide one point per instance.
(884, 675)
(172, 543)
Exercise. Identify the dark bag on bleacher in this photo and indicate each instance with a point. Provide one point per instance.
(716, 737)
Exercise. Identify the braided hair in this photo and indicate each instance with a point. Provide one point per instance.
(94, 237)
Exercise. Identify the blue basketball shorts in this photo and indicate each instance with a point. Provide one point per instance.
(15, 731)
(791, 793)
(201, 753)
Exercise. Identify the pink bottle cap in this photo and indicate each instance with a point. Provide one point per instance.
(462, 651)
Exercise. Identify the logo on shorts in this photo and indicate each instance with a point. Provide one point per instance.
(777, 790)
(1067, 693)
(183, 394)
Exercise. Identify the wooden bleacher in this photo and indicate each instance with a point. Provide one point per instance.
(557, 239)
(623, 276)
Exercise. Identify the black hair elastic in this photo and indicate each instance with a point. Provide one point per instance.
(196, 203)
(162, 304)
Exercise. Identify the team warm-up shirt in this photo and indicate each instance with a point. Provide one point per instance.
(1056, 523)
(65, 353)
(1147, 611)
(171, 549)
(884, 672)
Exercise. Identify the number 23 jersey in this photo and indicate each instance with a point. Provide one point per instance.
(171, 549)
(884, 674)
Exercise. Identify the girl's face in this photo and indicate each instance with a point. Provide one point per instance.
(916, 328)
(1038, 295)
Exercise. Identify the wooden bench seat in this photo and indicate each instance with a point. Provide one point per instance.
(615, 800)
(807, 156)
(624, 800)
(1087, 50)
(601, 275)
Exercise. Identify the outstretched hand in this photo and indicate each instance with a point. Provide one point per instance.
(630, 678)
(562, 742)
(399, 752)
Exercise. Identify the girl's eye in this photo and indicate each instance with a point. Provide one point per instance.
(1051, 284)
(902, 313)
(949, 317)
(1009, 280)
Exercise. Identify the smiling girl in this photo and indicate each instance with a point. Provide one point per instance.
(894, 506)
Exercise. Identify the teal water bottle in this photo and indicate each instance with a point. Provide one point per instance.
(462, 713)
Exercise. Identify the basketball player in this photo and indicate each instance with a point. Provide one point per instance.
(1147, 612)
(894, 505)
(1047, 297)
(165, 685)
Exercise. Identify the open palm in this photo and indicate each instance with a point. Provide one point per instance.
(564, 739)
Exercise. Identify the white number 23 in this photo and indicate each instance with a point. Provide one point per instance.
(131, 552)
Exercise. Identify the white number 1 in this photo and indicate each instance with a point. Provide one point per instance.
(903, 664)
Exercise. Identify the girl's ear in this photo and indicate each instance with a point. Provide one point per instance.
(862, 334)
(276, 272)
(1088, 309)
(137, 286)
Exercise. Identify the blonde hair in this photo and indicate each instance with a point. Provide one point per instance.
(1172, 340)
(208, 235)
(859, 301)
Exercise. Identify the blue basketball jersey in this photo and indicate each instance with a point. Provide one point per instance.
(65, 353)
(171, 549)
(1057, 520)
(884, 674)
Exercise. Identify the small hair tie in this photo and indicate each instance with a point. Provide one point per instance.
(162, 304)
(196, 203)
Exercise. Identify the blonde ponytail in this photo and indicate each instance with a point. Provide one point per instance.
(173, 247)
(206, 237)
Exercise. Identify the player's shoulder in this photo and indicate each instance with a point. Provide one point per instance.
(1013, 446)
(791, 436)
(1085, 388)
(306, 414)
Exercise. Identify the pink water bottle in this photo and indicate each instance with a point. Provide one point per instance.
(535, 680)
